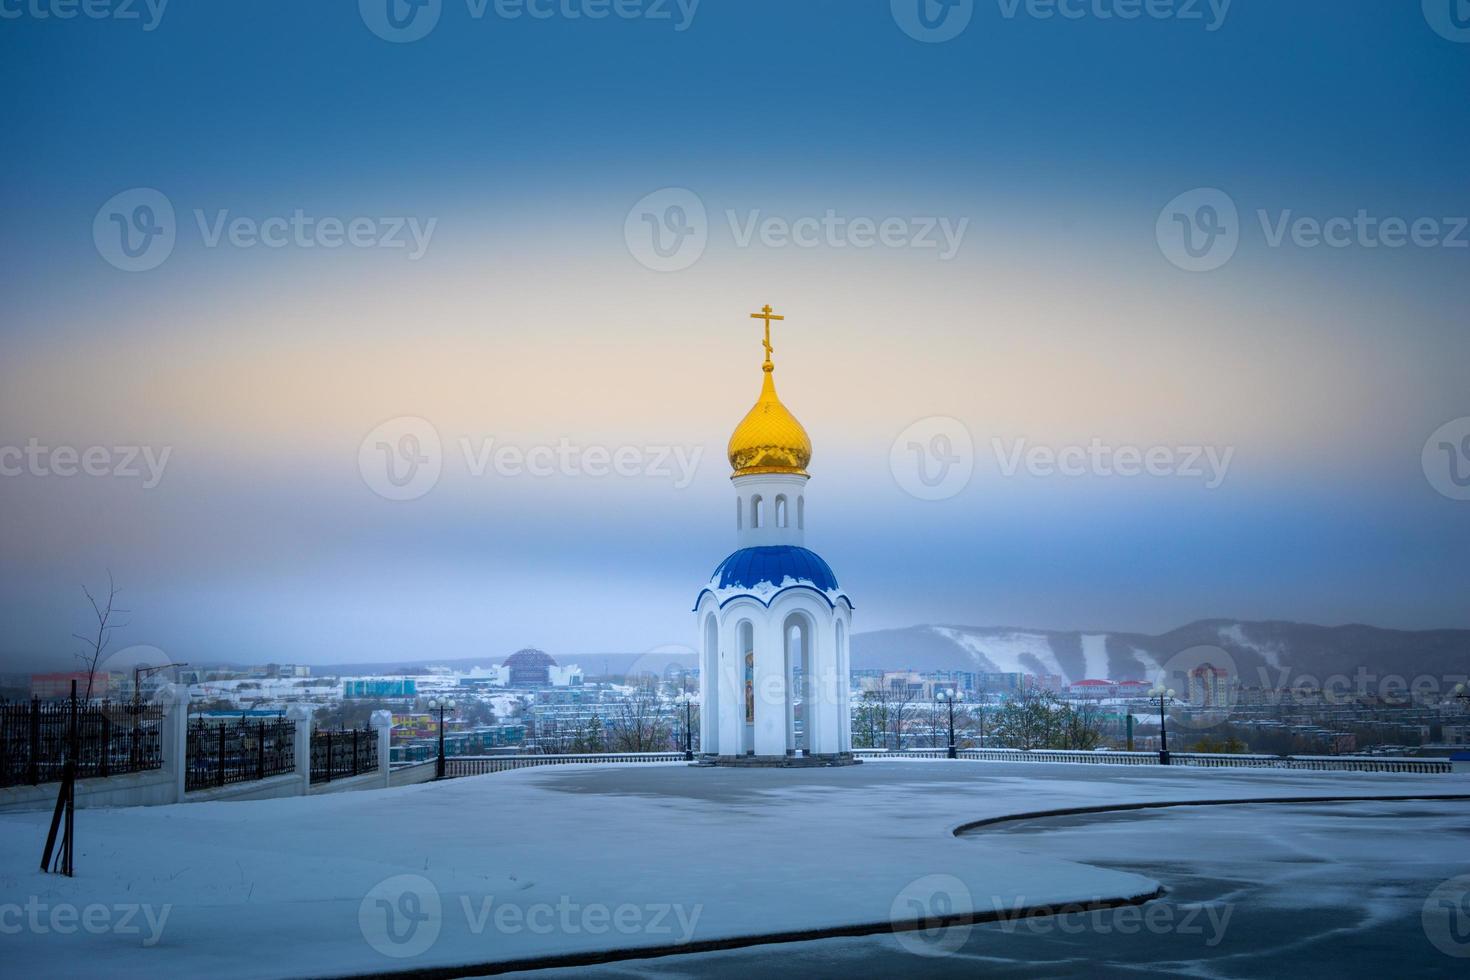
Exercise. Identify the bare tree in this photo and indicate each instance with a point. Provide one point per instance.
(870, 719)
(639, 724)
(95, 644)
(1026, 720)
(899, 706)
(936, 720)
(1081, 728)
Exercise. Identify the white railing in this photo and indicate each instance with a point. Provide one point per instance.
(1213, 760)
(476, 765)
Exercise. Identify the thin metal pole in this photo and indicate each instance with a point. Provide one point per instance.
(1163, 735)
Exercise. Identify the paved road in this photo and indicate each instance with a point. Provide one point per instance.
(1299, 891)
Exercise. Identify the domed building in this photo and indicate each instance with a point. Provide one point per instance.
(529, 668)
(773, 621)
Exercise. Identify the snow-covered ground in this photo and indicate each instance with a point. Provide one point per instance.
(1313, 890)
(555, 860)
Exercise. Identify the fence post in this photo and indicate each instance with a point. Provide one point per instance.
(219, 772)
(383, 722)
(260, 751)
(104, 768)
(174, 736)
(33, 767)
(354, 752)
(301, 715)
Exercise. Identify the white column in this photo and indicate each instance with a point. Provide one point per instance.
(844, 690)
(175, 735)
(709, 685)
(731, 688)
(820, 714)
(301, 714)
(383, 722)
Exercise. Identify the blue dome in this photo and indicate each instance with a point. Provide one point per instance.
(749, 567)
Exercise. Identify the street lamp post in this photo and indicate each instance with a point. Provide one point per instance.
(949, 698)
(688, 700)
(440, 704)
(1161, 692)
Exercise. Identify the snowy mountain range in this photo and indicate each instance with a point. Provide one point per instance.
(1268, 654)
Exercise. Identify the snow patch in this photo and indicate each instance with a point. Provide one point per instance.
(1236, 635)
(1152, 669)
(1001, 652)
(1095, 655)
(764, 590)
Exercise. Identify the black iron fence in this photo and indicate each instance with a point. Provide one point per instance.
(112, 738)
(342, 753)
(238, 750)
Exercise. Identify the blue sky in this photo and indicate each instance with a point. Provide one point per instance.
(529, 318)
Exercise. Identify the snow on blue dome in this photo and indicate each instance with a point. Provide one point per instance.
(749, 567)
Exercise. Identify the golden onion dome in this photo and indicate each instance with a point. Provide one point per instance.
(769, 439)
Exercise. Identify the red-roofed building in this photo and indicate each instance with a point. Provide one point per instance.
(47, 686)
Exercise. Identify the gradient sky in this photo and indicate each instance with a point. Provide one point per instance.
(529, 320)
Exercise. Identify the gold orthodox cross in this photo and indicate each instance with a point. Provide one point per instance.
(766, 315)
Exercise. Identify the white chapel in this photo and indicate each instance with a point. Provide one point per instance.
(773, 623)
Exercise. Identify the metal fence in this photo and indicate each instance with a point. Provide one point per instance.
(112, 738)
(1211, 760)
(238, 750)
(343, 753)
(478, 765)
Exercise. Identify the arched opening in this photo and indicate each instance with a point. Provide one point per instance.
(745, 655)
(709, 683)
(739, 513)
(803, 712)
(757, 508)
(801, 513)
(781, 511)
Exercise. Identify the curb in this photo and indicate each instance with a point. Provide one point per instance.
(600, 957)
(1073, 811)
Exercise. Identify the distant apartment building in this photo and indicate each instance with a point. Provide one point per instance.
(1001, 683)
(361, 688)
(1209, 686)
(481, 740)
(48, 686)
